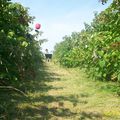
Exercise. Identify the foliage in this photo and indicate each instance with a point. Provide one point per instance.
(20, 55)
(96, 48)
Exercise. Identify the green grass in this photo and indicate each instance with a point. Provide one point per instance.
(61, 94)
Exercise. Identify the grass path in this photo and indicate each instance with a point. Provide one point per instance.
(66, 94)
(78, 98)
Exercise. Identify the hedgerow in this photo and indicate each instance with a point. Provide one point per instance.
(20, 55)
(96, 48)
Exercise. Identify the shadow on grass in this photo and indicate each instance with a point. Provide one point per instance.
(45, 113)
(90, 116)
(36, 106)
(9, 101)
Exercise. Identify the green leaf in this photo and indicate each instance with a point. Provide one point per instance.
(101, 53)
(24, 44)
(102, 63)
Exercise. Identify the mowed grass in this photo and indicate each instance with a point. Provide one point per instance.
(64, 94)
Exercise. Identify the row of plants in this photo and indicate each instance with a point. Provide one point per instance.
(96, 47)
(20, 55)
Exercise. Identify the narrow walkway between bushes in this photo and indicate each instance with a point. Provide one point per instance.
(67, 94)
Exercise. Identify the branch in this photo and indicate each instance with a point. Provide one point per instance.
(14, 89)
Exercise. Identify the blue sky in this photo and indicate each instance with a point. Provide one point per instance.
(61, 17)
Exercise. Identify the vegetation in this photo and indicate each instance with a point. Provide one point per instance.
(65, 94)
(30, 90)
(20, 55)
(96, 48)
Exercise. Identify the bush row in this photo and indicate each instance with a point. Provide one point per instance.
(96, 48)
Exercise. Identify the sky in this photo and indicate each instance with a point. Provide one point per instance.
(61, 17)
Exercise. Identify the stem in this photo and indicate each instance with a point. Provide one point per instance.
(13, 88)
